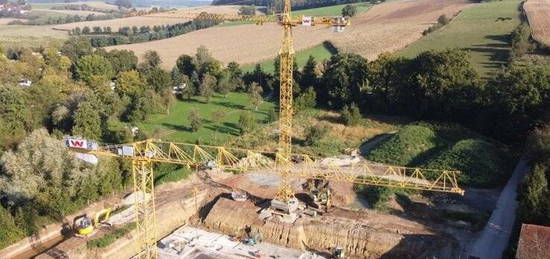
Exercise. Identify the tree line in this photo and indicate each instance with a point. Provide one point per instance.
(105, 36)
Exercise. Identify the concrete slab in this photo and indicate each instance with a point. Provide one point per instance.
(190, 242)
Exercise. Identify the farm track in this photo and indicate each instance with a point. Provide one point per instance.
(385, 28)
(538, 14)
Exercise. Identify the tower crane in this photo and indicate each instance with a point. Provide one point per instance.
(283, 162)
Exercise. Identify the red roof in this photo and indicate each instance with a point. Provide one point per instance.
(534, 242)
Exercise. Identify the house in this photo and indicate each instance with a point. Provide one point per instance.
(534, 242)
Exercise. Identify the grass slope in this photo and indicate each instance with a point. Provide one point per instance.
(175, 126)
(477, 29)
(483, 162)
(332, 10)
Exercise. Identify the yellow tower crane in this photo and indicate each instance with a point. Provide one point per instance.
(144, 154)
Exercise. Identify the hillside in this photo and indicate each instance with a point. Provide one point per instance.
(386, 27)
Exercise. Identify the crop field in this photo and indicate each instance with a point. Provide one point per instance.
(175, 125)
(385, 27)
(482, 29)
(538, 13)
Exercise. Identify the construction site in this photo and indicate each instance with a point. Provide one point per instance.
(241, 203)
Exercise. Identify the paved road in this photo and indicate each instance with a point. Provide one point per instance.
(492, 242)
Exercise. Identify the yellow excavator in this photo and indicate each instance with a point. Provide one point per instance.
(84, 226)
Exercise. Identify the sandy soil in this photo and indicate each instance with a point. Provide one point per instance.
(538, 13)
(5, 21)
(386, 27)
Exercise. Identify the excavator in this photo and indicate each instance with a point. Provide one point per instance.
(84, 226)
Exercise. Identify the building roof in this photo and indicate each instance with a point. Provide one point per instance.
(534, 242)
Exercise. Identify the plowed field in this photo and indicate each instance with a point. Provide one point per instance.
(538, 13)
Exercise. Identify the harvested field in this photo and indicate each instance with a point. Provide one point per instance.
(165, 18)
(386, 27)
(95, 4)
(69, 12)
(538, 13)
(5, 21)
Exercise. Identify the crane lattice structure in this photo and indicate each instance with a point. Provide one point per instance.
(283, 162)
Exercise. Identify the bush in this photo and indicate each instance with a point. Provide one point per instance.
(170, 173)
(349, 11)
(247, 122)
(110, 238)
(314, 134)
(351, 115)
(9, 232)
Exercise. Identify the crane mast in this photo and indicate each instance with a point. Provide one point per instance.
(286, 56)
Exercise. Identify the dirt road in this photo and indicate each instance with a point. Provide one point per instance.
(492, 242)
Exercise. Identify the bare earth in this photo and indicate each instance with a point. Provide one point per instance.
(538, 13)
(385, 28)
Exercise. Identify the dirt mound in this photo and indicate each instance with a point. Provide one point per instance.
(396, 238)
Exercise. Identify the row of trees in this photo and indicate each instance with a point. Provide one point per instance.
(105, 36)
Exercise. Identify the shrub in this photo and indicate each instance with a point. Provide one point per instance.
(110, 238)
(314, 134)
(247, 122)
(351, 115)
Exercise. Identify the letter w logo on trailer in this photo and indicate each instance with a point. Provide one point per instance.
(77, 143)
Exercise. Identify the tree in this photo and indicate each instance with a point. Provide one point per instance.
(186, 65)
(351, 115)
(255, 95)
(218, 117)
(122, 60)
(225, 85)
(195, 120)
(349, 11)
(247, 122)
(314, 133)
(443, 20)
(93, 65)
(306, 100)
(206, 87)
(234, 70)
(310, 74)
(87, 122)
(521, 43)
(533, 205)
(151, 59)
(344, 78)
(42, 171)
(129, 83)
(159, 80)
(77, 47)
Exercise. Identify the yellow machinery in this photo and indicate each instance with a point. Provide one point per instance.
(84, 226)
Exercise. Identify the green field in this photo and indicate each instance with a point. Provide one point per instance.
(176, 127)
(482, 29)
(320, 52)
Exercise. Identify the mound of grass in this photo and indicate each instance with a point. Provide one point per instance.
(405, 146)
(481, 162)
(110, 238)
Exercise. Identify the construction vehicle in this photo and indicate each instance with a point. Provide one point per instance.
(319, 192)
(338, 253)
(85, 226)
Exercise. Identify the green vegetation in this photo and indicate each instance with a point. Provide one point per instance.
(111, 237)
(166, 173)
(479, 29)
(482, 162)
(175, 126)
